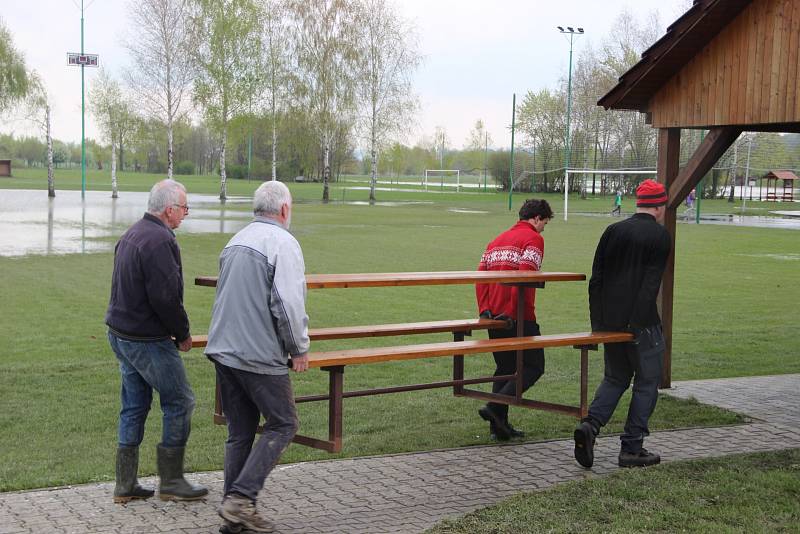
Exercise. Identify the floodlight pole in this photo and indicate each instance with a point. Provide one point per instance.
(572, 32)
(83, 120)
(511, 169)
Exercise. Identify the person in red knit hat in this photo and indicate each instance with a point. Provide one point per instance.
(626, 276)
(521, 247)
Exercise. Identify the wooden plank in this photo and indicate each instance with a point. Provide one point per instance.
(431, 350)
(744, 72)
(385, 330)
(782, 95)
(766, 62)
(724, 81)
(754, 41)
(792, 60)
(739, 83)
(709, 73)
(722, 48)
(327, 281)
(775, 61)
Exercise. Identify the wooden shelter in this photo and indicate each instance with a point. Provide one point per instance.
(787, 187)
(726, 66)
(5, 167)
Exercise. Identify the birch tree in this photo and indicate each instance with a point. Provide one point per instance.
(326, 52)
(39, 109)
(227, 54)
(276, 66)
(161, 70)
(108, 107)
(388, 57)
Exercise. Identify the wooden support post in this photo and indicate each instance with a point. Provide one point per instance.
(458, 366)
(669, 149)
(336, 386)
(584, 382)
(520, 333)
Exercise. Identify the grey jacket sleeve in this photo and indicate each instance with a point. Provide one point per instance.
(288, 302)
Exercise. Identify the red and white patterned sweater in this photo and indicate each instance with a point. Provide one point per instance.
(520, 248)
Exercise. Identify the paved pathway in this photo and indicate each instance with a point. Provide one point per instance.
(410, 492)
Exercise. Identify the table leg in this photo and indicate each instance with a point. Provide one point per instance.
(336, 386)
(458, 366)
(520, 333)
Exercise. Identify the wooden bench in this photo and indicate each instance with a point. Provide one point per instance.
(463, 327)
(335, 361)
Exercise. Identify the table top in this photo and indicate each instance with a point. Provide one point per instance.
(320, 281)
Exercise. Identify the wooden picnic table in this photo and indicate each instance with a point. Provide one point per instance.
(335, 361)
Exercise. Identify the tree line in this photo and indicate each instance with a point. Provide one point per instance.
(287, 88)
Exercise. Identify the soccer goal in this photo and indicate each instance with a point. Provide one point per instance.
(442, 178)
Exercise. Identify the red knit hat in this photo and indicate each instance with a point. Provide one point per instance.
(650, 194)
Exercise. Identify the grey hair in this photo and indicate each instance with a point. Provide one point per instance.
(269, 197)
(163, 194)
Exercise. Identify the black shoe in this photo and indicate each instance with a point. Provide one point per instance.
(230, 528)
(501, 430)
(584, 444)
(641, 458)
(514, 433)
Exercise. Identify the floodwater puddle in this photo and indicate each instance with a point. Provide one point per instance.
(32, 223)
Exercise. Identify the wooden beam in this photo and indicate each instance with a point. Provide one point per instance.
(667, 168)
(707, 154)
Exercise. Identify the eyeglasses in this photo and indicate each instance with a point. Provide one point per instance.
(184, 206)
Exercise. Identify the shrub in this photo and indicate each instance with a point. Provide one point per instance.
(184, 167)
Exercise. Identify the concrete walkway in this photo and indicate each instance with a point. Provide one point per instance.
(411, 492)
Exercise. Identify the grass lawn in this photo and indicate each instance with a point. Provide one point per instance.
(742, 493)
(735, 290)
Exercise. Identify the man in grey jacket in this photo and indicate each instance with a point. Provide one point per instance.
(258, 321)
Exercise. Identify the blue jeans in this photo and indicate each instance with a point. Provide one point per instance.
(145, 366)
(641, 360)
(245, 398)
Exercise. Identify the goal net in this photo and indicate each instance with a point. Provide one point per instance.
(442, 178)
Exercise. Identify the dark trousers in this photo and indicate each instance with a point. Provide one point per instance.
(641, 360)
(245, 398)
(506, 361)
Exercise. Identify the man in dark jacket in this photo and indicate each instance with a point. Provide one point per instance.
(147, 325)
(626, 276)
(520, 248)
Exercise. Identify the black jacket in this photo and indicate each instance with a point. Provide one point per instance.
(147, 284)
(626, 274)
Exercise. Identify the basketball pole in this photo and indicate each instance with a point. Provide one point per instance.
(511, 170)
(83, 120)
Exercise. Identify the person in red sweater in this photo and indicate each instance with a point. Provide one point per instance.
(519, 248)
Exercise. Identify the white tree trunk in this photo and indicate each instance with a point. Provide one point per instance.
(170, 154)
(51, 186)
(374, 167)
(222, 176)
(326, 171)
(114, 193)
(274, 147)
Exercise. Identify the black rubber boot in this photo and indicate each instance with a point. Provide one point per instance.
(127, 487)
(497, 424)
(173, 486)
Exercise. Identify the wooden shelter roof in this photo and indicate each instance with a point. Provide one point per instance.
(782, 175)
(684, 39)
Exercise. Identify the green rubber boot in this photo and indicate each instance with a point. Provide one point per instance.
(127, 487)
(173, 486)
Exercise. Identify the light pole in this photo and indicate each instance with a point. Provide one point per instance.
(572, 32)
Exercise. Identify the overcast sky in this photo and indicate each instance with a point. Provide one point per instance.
(477, 53)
